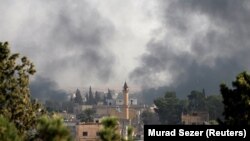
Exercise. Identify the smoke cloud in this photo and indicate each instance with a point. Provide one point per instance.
(66, 40)
(45, 89)
(200, 45)
(175, 44)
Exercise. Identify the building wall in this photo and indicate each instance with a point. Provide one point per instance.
(87, 131)
(131, 101)
(119, 102)
(80, 108)
(196, 118)
(110, 102)
(115, 111)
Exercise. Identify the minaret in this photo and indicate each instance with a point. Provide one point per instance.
(125, 94)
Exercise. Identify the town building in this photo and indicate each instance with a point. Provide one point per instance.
(195, 118)
(88, 131)
(124, 107)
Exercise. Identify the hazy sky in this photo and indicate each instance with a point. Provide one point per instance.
(185, 44)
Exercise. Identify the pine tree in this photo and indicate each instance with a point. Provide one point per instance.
(87, 115)
(52, 129)
(78, 98)
(15, 102)
(110, 129)
(237, 101)
(8, 131)
(168, 108)
(97, 97)
(19, 115)
(197, 101)
(91, 99)
(109, 95)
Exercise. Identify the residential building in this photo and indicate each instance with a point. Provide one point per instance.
(195, 118)
(88, 131)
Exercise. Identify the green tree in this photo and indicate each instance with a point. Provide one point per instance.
(183, 105)
(214, 106)
(15, 103)
(97, 97)
(168, 108)
(237, 101)
(109, 95)
(130, 133)
(196, 101)
(68, 106)
(149, 117)
(8, 131)
(52, 129)
(78, 98)
(90, 98)
(87, 115)
(110, 129)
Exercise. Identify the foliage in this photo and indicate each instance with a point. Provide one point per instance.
(183, 105)
(68, 106)
(237, 101)
(52, 129)
(130, 133)
(87, 115)
(109, 95)
(97, 97)
(90, 97)
(149, 117)
(214, 106)
(196, 101)
(15, 101)
(53, 106)
(213, 122)
(168, 108)
(8, 131)
(109, 132)
(17, 107)
(78, 98)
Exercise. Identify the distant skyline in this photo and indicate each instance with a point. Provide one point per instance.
(180, 44)
(132, 89)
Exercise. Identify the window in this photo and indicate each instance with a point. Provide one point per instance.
(85, 133)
